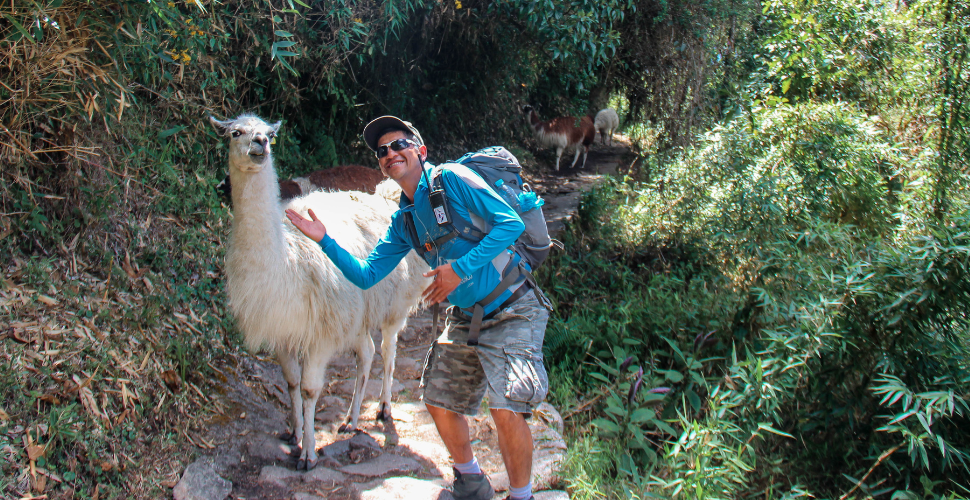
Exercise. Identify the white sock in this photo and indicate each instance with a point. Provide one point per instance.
(523, 493)
(470, 468)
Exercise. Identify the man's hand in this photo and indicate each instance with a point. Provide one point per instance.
(313, 229)
(445, 282)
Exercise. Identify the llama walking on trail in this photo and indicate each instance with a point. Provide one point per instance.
(606, 122)
(288, 297)
(562, 133)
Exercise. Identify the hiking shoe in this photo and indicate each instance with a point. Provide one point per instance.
(471, 487)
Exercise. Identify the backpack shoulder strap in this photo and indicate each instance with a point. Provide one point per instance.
(460, 227)
(412, 233)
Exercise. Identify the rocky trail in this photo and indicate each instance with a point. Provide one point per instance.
(244, 458)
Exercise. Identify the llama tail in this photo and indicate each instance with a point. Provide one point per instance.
(389, 189)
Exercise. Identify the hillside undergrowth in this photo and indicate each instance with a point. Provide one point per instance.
(779, 315)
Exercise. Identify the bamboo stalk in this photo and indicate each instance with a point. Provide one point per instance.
(22, 146)
(882, 457)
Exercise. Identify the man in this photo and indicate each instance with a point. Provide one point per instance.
(506, 362)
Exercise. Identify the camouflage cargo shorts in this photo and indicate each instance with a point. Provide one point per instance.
(506, 364)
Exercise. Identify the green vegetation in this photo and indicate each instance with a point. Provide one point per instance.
(772, 304)
(781, 309)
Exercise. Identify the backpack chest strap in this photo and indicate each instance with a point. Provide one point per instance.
(430, 246)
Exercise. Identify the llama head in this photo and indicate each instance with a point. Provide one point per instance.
(250, 139)
(529, 114)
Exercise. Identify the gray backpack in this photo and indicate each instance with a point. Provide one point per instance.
(502, 172)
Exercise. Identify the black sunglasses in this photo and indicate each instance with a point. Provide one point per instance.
(396, 145)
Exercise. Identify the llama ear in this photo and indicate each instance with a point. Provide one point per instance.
(276, 126)
(222, 128)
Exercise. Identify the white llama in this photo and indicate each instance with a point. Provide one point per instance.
(287, 296)
(606, 123)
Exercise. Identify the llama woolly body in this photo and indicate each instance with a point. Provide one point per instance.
(314, 307)
(606, 123)
(550, 139)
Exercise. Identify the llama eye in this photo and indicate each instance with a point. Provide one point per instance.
(236, 133)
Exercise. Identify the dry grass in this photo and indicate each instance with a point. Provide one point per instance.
(95, 398)
(102, 377)
(60, 75)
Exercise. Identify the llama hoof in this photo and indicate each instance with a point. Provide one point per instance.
(307, 460)
(384, 414)
(347, 427)
(306, 464)
(289, 438)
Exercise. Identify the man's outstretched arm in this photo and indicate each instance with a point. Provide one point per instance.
(363, 273)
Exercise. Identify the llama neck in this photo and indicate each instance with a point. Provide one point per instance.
(257, 215)
(534, 119)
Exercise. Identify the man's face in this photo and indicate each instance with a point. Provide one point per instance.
(401, 164)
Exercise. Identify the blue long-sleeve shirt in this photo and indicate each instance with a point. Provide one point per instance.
(478, 264)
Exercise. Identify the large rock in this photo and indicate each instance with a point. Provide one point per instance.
(279, 476)
(267, 447)
(404, 488)
(307, 496)
(383, 465)
(200, 482)
(551, 495)
(363, 447)
(324, 475)
(358, 448)
(289, 478)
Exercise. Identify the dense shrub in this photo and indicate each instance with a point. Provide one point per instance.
(792, 306)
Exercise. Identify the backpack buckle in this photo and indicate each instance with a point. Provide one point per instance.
(427, 246)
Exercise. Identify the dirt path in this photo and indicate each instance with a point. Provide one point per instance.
(405, 459)
(563, 190)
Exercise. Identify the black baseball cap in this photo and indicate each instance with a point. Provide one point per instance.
(373, 130)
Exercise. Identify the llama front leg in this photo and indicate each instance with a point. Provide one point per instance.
(389, 353)
(290, 364)
(559, 151)
(365, 356)
(576, 157)
(585, 152)
(314, 369)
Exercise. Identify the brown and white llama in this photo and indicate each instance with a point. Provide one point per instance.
(288, 297)
(562, 133)
(341, 178)
(606, 122)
